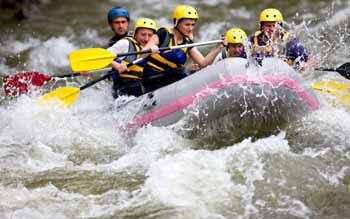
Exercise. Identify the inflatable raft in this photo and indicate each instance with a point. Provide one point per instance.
(227, 101)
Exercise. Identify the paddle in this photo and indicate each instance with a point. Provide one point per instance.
(67, 95)
(339, 89)
(20, 83)
(96, 58)
(90, 59)
(80, 60)
(343, 70)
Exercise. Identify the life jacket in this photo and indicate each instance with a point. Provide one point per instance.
(261, 40)
(115, 39)
(135, 71)
(170, 59)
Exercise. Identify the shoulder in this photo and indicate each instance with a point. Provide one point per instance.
(163, 33)
(112, 41)
(253, 35)
(121, 46)
(124, 41)
(163, 30)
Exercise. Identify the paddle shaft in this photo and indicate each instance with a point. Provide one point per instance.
(79, 74)
(343, 70)
(170, 48)
(325, 69)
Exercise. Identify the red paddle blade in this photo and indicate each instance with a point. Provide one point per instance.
(21, 82)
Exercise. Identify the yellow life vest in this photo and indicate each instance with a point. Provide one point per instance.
(267, 48)
(159, 62)
(135, 71)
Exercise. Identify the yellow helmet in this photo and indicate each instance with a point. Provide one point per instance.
(235, 35)
(145, 23)
(271, 14)
(184, 11)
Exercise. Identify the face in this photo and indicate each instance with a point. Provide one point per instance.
(143, 35)
(186, 26)
(120, 25)
(268, 27)
(235, 49)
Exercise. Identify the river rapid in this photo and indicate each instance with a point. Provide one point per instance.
(75, 163)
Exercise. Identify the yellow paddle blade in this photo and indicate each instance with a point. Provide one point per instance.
(339, 89)
(90, 59)
(64, 96)
(332, 86)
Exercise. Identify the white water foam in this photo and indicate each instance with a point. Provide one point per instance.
(51, 54)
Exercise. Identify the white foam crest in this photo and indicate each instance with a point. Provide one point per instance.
(334, 116)
(49, 134)
(312, 152)
(244, 159)
(241, 12)
(150, 144)
(13, 46)
(211, 31)
(215, 2)
(195, 180)
(336, 178)
(50, 202)
(51, 54)
(339, 17)
(4, 69)
(294, 207)
(91, 35)
(28, 121)
(202, 180)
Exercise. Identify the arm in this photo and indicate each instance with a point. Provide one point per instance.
(119, 66)
(218, 58)
(198, 58)
(122, 46)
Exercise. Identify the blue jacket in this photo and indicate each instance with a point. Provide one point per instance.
(293, 51)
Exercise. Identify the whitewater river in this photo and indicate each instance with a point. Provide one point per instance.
(75, 163)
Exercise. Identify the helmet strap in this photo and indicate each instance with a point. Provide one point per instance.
(178, 30)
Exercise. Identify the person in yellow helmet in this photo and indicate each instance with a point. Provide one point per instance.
(236, 38)
(271, 40)
(127, 81)
(167, 67)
